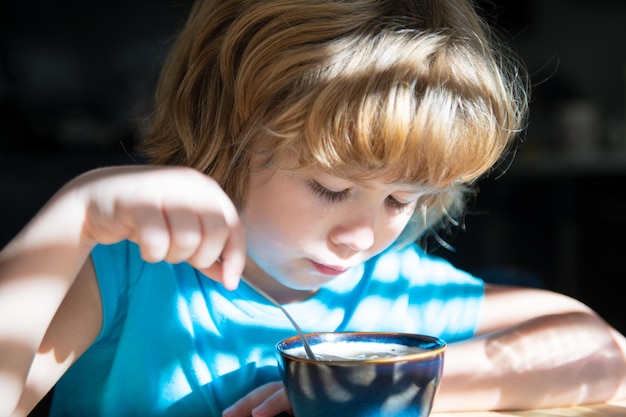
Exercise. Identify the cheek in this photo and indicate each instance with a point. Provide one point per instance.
(393, 229)
(271, 221)
(273, 210)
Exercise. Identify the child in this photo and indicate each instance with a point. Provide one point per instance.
(335, 134)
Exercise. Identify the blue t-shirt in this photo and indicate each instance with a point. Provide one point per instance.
(176, 343)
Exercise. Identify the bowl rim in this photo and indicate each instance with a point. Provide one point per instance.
(436, 351)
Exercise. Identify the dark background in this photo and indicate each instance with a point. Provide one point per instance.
(76, 79)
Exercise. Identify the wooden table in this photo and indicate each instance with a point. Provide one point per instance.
(612, 409)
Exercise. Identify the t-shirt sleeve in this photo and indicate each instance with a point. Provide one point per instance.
(117, 268)
(442, 299)
(455, 298)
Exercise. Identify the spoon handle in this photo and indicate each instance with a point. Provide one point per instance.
(305, 343)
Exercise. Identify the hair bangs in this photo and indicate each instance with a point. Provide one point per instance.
(402, 120)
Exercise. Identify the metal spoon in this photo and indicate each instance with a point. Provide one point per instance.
(305, 343)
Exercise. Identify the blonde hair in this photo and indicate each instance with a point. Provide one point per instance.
(419, 90)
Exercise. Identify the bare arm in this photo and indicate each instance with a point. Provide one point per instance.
(537, 349)
(173, 213)
(72, 330)
(37, 270)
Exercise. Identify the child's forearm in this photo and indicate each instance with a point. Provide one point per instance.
(173, 213)
(37, 269)
(550, 361)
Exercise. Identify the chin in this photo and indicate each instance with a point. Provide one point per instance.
(312, 284)
(305, 282)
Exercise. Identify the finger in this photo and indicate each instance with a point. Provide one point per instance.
(273, 405)
(214, 236)
(244, 407)
(229, 275)
(185, 234)
(233, 257)
(151, 233)
(228, 271)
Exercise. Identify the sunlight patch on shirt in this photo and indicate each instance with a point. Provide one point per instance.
(176, 387)
(201, 312)
(434, 309)
(307, 315)
(200, 368)
(450, 317)
(183, 315)
(387, 269)
(373, 305)
(260, 357)
(226, 363)
(398, 309)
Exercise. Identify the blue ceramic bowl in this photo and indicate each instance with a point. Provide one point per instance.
(350, 383)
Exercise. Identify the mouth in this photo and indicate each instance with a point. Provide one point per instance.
(328, 269)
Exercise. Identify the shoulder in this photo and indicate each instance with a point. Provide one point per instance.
(422, 293)
(414, 264)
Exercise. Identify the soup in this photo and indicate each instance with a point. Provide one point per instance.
(356, 351)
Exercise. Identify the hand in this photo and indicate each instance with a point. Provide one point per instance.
(173, 213)
(266, 401)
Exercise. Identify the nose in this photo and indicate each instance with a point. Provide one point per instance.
(357, 231)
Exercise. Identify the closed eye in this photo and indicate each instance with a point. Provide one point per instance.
(330, 195)
(398, 205)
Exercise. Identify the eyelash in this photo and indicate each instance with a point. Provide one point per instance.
(397, 205)
(332, 196)
(337, 196)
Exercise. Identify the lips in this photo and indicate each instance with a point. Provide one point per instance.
(328, 269)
